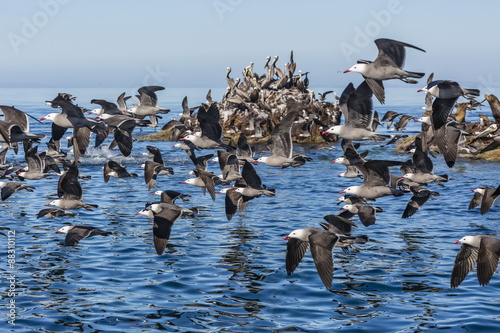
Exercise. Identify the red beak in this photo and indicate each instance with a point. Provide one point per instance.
(342, 192)
(346, 71)
(287, 237)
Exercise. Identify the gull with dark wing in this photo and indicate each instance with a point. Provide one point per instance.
(420, 195)
(365, 212)
(36, 166)
(229, 166)
(76, 233)
(484, 196)
(152, 170)
(148, 107)
(164, 216)
(254, 186)
(321, 242)
(446, 94)
(119, 124)
(234, 200)
(72, 116)
(423, 172)
(357, 109)
(70, 191)
(280, 143)
(204, 180)
(51, 213)
(211, 130)
(15, 126)
(115, 169)
(122, 101)
(170, 196)
(481, 249)
(9, 188)
(390, 116)
(377, 180)
(388, 65)
(154, 153)
(342, 227)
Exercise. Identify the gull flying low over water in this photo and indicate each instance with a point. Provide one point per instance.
(164, 216)
(446, 94)
(8, 188)
(76, 233)
(280, 143)
(484, 196)
(51, 213)
(321, 242)
(36, 166)
(377, 180)
(72, 116)
(15, 126)
(211, 129)
(69, 188)
(357, 109)
(114, 169)
(388, 65)
(483, 249)
(148, 107)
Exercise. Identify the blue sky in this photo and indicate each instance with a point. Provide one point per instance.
(70, 43)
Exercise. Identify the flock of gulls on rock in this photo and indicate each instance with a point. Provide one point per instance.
(275, 108)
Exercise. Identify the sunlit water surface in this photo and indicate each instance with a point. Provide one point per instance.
(229, 276)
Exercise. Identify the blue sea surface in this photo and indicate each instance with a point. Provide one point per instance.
(229, 276)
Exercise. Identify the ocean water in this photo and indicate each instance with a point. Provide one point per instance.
(229, 276)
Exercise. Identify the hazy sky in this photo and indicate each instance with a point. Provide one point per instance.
(70, 43)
